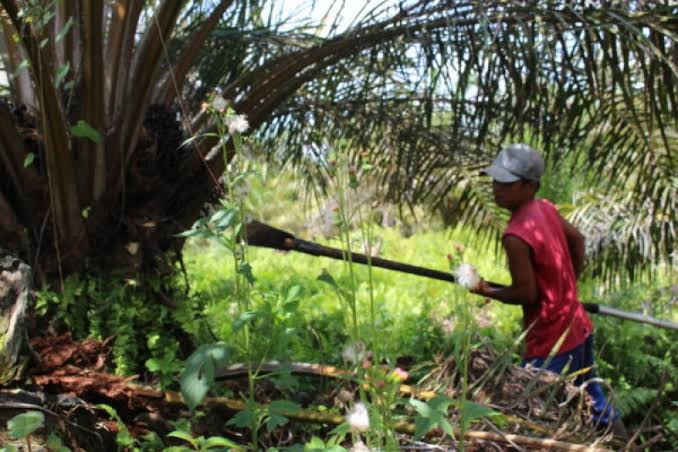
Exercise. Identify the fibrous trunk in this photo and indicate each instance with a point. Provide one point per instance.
(15, 284)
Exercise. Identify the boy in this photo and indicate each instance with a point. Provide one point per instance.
(545, 256)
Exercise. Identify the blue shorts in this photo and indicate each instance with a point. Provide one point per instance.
(581, 357)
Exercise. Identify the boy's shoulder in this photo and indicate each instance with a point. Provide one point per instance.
(544, 201)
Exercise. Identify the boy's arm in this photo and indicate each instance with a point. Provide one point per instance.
(523, 288)
(575, 243)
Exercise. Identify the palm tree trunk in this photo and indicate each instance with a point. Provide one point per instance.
(60, 171)
(15, 285)
(91, 155)
(13, 55)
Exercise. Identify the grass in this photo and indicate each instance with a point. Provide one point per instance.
(411, 311)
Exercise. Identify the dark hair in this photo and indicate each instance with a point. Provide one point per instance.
(530, 181)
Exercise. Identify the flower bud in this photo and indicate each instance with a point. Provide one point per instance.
(400, 374)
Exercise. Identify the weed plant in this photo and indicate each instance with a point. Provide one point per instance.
(119, 308)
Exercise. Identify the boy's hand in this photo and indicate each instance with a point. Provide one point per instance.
(483, 289)
(480, 288)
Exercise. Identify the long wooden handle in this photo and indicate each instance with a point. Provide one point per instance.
(334, 253)
(260, 234)
(316, 249)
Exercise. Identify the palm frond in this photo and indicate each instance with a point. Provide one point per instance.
(581, 81)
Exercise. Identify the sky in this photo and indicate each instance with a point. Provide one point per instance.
(328, 11)
(325, 12)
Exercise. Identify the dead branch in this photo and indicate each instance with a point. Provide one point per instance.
(402, 427)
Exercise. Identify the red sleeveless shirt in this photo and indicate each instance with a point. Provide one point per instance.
(538, 224)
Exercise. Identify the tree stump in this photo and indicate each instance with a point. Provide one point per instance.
(15, 284)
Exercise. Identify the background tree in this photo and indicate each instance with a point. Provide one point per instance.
(102, 94)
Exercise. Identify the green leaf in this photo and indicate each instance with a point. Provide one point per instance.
(198, 376)
(82, 129)
(55, 443)
(110, 411)
(243, 319)
(292, 294)
(124, 437)
(318, 445)
(61, 73)
(245, 269)
(22, 66)
(190, 233)
(275, 420)
(242, 419)
(62, 33)
(326, 277)
(421, 407)
(28, 161)
(153, 364)
(22, 425)
(184, 436)
(340, 431)
(229, 220)
(225, 218)
(152, 442)
(422, 426)
(432, 414)
(9, 448)
(277, 412)
(218, 441)
(472, 411)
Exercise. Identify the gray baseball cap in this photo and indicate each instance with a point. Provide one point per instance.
(515, 162)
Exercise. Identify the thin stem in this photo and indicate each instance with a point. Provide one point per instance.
(366, 230)
(464, 355)
(345, 233)
(241, 258)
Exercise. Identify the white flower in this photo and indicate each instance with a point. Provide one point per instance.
(238, 123)
(132, 248)
(354, 353)
(359, 447)
(358, 418)
(467, 276)
(219, 103)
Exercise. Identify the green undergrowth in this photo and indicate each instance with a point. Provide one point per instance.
(147, 334)
(414, 316)
(639, 361)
